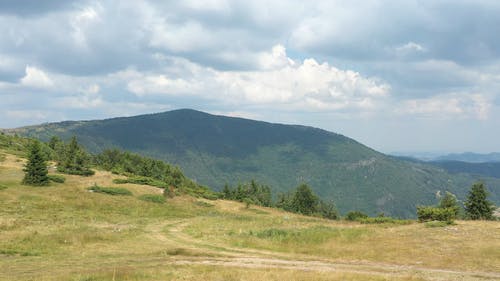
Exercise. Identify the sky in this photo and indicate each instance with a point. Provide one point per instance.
(398, 76)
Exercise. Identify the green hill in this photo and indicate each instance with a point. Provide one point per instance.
(215, 150)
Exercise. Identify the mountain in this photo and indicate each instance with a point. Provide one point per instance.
(488, 169)
(215, 150)
(470, 157)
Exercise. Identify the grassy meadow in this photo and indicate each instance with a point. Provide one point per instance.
(66, 232)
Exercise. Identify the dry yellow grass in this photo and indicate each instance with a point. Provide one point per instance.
(65, 232)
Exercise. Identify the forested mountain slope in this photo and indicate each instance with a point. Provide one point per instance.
(215, 150)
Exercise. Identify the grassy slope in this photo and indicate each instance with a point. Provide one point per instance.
(215, 150)
(64, 232)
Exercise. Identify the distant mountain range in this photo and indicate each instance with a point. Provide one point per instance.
(215, 150)
(488, 169)
(471, 157)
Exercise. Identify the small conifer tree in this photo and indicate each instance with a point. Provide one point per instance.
(35, 171)
(477, 207)
(450, 201)
(74, 160)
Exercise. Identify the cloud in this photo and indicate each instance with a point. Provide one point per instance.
(31, 8)
(91, 89)
(24, 114)
(411, 47)
(281, 81)
(449, 106)
(36, 78)
(416, 61)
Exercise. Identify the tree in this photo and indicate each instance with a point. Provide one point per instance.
(226, 192)
(75, 160)
(35, 171)
(450, 201)
(304, 201)
(477, 207)
(54, 142)
(328, 210)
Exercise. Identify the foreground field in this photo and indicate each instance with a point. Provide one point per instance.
(65, 232)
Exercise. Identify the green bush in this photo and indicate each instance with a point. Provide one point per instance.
(428, 213)
(110, 190)
(155, 198)
(2, 187)
(379, 220)
(142, 181)
(85, 173)
(57, 178)
(355, 215)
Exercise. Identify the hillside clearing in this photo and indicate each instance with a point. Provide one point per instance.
(65, 232)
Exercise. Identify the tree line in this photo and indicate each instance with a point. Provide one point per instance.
(302, 200)
(71, 158)
(475, 207)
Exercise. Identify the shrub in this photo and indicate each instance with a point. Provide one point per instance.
(110, 190)
(450, 201)
(428, 213)
(57, 178)
(355, 215)
(169, 192)
(155, 198)
(379, 220)
(85, 173)
(2, 187)
(141, 180)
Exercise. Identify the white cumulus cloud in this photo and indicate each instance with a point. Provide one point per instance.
(281, 81)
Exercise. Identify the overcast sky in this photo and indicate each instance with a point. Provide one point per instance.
(394, 75)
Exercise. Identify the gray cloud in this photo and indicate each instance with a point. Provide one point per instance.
(33, 8)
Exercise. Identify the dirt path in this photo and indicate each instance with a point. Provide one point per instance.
(223, 255)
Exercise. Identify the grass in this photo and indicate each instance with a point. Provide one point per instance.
(211, 273)
(439, 223)
(64, 232)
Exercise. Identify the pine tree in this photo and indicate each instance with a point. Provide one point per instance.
(450, 201)
(35, 171)
(74, 160)
(477, 206)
